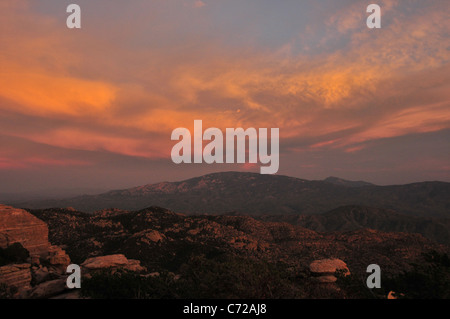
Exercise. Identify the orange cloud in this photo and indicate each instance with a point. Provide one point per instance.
(95, 141)
(25, 163)
(128, 89)
(422, 119)
(46, 94)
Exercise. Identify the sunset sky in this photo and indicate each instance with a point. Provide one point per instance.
(94, 108)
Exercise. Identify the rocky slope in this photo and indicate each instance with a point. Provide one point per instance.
(204, 256)
(27, 258)
(350, 218)
(163, 240)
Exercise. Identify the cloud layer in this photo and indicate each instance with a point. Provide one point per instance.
(133, 73)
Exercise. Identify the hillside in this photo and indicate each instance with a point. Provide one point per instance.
(256, 194)
(351, 218)
(229, 256)
(162, 239)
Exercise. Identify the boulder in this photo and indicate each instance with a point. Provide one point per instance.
(40, 275)
(150, 236)
(58, 258)
(324, 270)
(115, 262)
(74, 294)
(19, 226)
(326, 279)
(16, 275)
(48, 289)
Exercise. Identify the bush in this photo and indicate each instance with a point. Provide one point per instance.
(235, 277)
(355, 287)
(229, 277)
(428, 280)
(127, 285)
(7, 292)
(14, 253)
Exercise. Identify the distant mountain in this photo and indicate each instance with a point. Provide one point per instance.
(255, 194)
(343, 182)
(351, 218)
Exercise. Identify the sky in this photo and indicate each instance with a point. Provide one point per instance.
(93, 109)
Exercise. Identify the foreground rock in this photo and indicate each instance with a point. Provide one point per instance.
(18, 276)
(325, 269)
(18, 226)
(48, 289)
(58, 258)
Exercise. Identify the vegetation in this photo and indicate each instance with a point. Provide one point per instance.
(428, 280)
(228, 277)
(15, 253)
(7, 292)
(239, 257)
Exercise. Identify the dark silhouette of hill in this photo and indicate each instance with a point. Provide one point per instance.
(351, 218)
(343, 182)
(256, 194)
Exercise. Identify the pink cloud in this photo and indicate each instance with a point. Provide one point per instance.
(199, 4)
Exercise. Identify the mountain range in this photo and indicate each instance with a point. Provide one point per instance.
(255, 194)
(353, 218)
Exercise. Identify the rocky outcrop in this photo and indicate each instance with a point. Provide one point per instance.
(58, 258)
(40, 274)
(150, 236)
(113, 262)
(48, 289)
(324, 270)
(19, 226)
(16, 275)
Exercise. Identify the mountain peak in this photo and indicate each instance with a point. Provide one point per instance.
(256, 194)
(343, 182)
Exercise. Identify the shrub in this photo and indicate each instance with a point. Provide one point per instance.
(14, 253)
(427, 280)
(228, 277)
(127, 285)
(7, 292)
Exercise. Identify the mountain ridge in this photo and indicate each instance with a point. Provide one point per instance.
(256, 194)
(352, 218)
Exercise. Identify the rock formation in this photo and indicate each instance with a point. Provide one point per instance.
(325, 269)
(113, 262)
(19, 226)
(48, 289)
(17, 275)
(58, 257)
